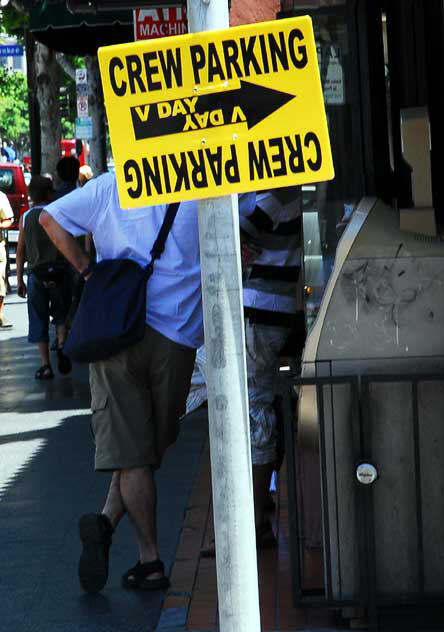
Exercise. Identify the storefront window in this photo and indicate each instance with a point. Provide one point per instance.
(290, 5)
(327, 206)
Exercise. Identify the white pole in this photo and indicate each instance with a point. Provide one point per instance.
(232, 484)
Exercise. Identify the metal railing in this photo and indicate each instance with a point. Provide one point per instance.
(366, 430)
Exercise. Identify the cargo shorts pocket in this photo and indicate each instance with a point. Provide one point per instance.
(99, 403)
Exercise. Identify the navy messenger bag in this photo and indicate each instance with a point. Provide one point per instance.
(112, 310)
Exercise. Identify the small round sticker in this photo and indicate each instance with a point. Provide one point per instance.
(366, 473)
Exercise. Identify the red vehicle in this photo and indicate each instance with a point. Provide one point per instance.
(74, 147)
(68, 147)
(27, 164)
(12, 182)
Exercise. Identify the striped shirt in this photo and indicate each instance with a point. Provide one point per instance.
(273, 283)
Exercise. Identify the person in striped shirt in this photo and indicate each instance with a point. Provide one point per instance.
(271, 251)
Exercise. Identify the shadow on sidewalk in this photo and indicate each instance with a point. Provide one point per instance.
(46, 482)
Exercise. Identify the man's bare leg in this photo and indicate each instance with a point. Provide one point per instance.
(138, 492)
(61, 335)
(114, 507)
(43, 348)
(261, 485)
(3, 322)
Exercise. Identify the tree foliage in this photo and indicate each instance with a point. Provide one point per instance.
(13, 21)
(14, 117)
(14, 120)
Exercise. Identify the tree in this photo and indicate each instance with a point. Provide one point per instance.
(97, 143)
(45, 80)
(14, 122)
(48, 91)
(14, 19)
(68, 92)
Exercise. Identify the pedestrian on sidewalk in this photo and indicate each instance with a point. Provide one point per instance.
(48, 288)
(139, 394)
(6, 221)
(85, 174)
(273, 310)
(67, 170)
(271, 232)
(86, 243)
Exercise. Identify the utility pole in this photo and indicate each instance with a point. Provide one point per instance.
(227, 389)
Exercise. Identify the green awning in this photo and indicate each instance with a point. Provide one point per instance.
(57, 16)
(79, 34)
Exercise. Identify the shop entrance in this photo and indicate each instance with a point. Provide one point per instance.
(379, 62)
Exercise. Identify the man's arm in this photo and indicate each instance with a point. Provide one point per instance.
(6, 212)
(20, 258)
(64, 242)
(6, 223)
(250, 249)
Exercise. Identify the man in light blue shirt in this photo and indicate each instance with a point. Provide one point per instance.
(139, 394)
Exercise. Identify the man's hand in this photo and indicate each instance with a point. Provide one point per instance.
(21, 289)
(6, 223)
(250, 249)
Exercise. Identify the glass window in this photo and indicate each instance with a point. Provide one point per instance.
(327, 206)
(6, 181)
(17, 63)
(290, 5)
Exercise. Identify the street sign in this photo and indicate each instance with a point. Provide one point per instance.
(82, 107)
(82, 96)
(214, 113)
(84, 128)
(81, 76)
(160, 22)
(82, 89)
(11, 50)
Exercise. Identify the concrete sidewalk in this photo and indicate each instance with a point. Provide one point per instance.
(47, 481)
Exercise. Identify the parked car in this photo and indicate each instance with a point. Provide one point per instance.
(75, 147)
(12, 182)
(68, 147)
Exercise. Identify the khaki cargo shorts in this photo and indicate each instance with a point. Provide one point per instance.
(137, 398)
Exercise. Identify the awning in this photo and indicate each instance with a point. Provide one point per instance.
(81, 33)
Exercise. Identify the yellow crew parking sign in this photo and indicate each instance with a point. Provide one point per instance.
(208, 114)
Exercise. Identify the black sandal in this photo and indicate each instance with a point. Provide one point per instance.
(44, 373)
(63, 362)
(96, 533)
(137, 577)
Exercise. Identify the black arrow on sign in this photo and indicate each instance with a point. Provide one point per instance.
(248, 104)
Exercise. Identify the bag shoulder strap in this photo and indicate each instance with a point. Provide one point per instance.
(159, 244)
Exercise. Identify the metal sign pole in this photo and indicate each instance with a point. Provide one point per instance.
(227, 389)
(203, 124)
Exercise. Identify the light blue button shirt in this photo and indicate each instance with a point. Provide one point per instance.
(174, 305)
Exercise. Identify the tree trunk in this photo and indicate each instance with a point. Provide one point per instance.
(66, 65)
(97, 144)
(33, 106)
(47, 83)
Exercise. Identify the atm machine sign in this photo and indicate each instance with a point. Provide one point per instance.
(160, 22)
